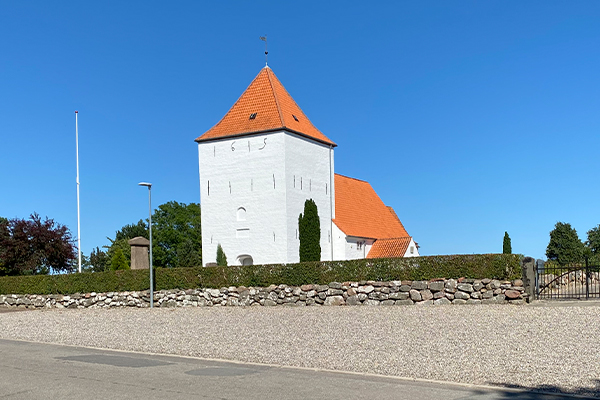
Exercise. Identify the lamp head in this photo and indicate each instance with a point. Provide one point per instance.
(148, 184)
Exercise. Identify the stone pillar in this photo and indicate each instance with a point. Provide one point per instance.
(528, 266)
(139, 253)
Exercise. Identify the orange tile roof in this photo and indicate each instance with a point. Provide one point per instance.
(273, 107)
(387, 248)
(360, 212)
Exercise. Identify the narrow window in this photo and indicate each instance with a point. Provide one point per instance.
(214, 151)
(273, 181)
(329, 236)
(248, 146)
(300, 183)
(412, 250)
(211, 239)
(208, 187)
(229, 187)
(241, 214)
(296, 233)
(273, 236)
(294, 180)
(325, 188)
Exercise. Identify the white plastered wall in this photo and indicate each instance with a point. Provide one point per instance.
(270, 176)
(412, 250)
(243, 172)
(308, 176)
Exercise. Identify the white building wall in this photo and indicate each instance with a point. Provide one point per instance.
(357, 248)
(308, 175)
(244, 172)
(339, 244)
(412, 250)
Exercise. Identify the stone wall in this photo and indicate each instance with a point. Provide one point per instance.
(369, 293)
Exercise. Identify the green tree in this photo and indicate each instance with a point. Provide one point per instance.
(593, 240)
(176, 236)
(174, 224)
(309, 232)
(98, 261)
(119, 261)
(221, 257)
(506, 245)
(565, 246)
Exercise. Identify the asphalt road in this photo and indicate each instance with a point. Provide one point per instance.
(45, 371)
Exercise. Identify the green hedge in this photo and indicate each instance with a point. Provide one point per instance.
(498, 266)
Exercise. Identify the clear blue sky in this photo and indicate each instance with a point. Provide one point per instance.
(470, 118)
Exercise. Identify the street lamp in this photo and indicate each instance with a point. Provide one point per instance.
(149, 185)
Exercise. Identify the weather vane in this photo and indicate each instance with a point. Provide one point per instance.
(264, 39)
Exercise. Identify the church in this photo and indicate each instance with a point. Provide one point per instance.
(260, 163)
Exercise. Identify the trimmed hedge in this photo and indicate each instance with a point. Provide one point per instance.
(494, 266)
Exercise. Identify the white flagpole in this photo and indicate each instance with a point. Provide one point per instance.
(78, 217)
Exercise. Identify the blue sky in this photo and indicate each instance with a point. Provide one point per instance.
(470, 118)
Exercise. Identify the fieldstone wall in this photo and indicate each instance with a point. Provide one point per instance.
(368, 293)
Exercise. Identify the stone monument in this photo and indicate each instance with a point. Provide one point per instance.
(139, 253)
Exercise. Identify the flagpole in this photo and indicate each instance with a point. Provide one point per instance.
(78, 216)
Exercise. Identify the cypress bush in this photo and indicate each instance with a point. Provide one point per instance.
(506, 246)
(309, 232)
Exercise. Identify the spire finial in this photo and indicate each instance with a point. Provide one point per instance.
(264, 39)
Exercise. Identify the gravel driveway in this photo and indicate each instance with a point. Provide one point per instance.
(534, 347)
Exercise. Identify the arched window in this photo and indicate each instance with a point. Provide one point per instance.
(241, 214)
(245, 259)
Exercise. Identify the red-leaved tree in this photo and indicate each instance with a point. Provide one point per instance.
(35, 246)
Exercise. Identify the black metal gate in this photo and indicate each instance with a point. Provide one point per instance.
(573, 281)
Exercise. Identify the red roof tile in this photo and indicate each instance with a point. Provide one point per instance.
(273, 109)
(388, 248)
(360, 212)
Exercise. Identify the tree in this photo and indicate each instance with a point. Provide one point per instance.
(118, 261)
(176, 236)
(35, 246)
(174, 224)
(593, 240)
(309, 232)
(506, 246)
(98, 261)
(565, 246)
(221, 258)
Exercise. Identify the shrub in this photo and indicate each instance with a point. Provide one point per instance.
(497, 266)
(309, 232)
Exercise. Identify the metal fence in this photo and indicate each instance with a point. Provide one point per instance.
(572, 281)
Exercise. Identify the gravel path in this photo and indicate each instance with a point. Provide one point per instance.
(533, 347)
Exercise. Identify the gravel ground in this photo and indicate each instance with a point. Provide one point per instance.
(551, 348)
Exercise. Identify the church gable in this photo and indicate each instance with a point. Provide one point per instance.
(264, 106)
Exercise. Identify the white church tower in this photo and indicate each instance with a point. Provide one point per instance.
(258, 166)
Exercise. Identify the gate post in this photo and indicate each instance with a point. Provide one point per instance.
(528, 267)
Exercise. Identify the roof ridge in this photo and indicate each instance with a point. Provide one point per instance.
(349, 177)
(395, 238)
(276, 98)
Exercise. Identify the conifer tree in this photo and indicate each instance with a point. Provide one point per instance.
(118, 260)
(309, 232)
(565, 246)
(221, 258)
(506, 246)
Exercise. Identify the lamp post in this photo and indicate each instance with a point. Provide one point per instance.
(149, 185)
